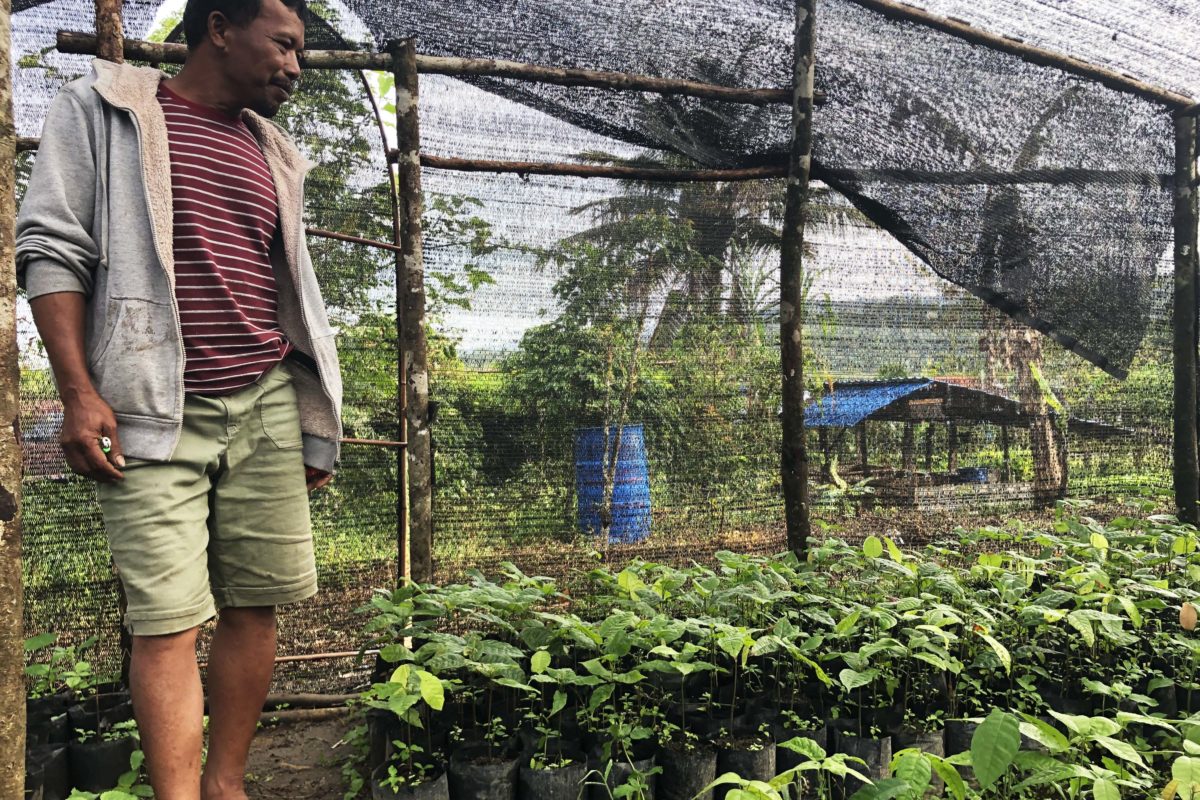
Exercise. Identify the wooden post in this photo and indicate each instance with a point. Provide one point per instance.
(1006, 476)
(12, 610)
(952, 448)
(908, 449)
(110, 46)
(826, 454)
(110, 31)
(794, 454)
(864, 463)
(1187, 461)
(410, 310)
(929, 447)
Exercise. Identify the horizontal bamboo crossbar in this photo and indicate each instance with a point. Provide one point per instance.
(375, 442)
(289, 715)
(1034, 55)
(1064, 177)
(345, 237)
(162, 53)
(1072, 176)
(604, 170)
(303, 700)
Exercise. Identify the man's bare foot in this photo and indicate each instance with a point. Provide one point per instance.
(215, 789)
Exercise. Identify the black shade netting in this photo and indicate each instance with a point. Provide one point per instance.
(1047, 196)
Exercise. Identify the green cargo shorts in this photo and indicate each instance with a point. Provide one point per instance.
(224, 522)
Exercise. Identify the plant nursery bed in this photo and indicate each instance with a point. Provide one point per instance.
(1058, 658)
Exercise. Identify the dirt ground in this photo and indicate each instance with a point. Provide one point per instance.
(297, 761)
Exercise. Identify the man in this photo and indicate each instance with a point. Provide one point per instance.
(162, 245)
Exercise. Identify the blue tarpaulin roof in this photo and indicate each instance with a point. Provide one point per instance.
(850, 404)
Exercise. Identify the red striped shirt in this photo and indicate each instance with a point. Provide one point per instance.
(226, 213)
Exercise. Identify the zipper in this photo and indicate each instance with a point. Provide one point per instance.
(297, 281)
(179, 394)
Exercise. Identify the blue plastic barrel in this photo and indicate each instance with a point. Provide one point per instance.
(973, 474)
(631, 483)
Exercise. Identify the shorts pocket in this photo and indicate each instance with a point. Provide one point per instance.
(280, 414)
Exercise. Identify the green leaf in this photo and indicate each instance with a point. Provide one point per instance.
(1104, 789)
(885, 789)
(630, 583)
(1000, 650)
(805, 747)
(559, 702)
(1186, 770)
(432, 691)
(993, 747)
(916, 772)
(950, 777)
(1045, 734)
(1044, 386)
(401, 675)
(1080, 623)
(1131, 610)
(852, 679)
(872, 547)
(40, 641)
(732, 644)
(600, 696)
(539, 662)
(1122, 750)
(893, 550)
(847, 623)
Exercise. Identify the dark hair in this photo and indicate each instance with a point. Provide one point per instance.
(238, 12)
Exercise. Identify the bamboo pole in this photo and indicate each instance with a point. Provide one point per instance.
(826, 455)
(162, 53)
(411, 315)
(1187, 460)
(345, 237)
(952, 448)
(928, 447)
(794, 455)
(307, 700)
(304, 715)
(110, 46)
(908, 449)
(1033, 55)
(1050, 177)
(375, 442)
(1004, 443)
(605, 171)
(864, 462)
(12, 629)
(314, 657)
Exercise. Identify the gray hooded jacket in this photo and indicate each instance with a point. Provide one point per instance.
(97, 219)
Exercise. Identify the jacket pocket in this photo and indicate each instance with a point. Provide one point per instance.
(135, 363)
(102, 340)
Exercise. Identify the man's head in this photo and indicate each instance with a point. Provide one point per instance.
(252, 47)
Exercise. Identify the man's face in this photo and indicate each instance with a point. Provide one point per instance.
(262, 60)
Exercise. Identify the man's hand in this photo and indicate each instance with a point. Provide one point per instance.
(87, 420)
(316, 478)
